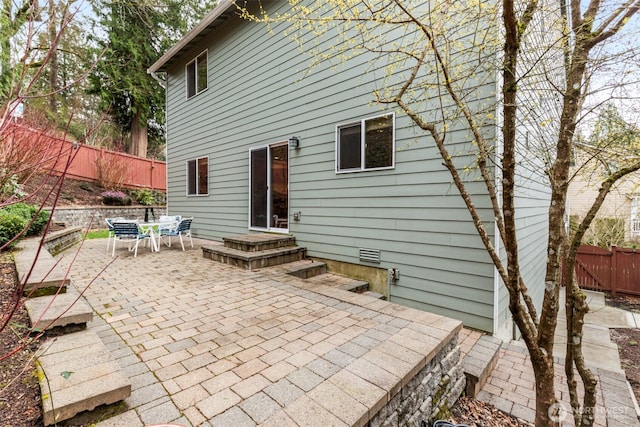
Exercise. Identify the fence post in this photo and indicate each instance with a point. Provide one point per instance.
(153, 166)
(613, 271)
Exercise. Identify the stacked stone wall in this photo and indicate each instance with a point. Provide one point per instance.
(93, 216)
(429, 395)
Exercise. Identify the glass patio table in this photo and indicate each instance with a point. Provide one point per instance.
(153, 229)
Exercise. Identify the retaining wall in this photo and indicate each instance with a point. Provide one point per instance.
(429, 395)
(93, 216)
(58, 241)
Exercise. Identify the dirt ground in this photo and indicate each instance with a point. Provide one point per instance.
(19, 389)
(74, 192)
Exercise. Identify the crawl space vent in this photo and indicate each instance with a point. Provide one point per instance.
(369, 255)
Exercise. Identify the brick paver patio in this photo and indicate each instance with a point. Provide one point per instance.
(208, 344)
(204, 343)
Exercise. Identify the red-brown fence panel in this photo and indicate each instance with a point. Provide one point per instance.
(593, 268)
(617, 270)
(626, 270)
(93, 163)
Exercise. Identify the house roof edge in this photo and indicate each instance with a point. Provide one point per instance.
(207, 21)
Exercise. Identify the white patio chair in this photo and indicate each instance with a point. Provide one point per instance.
(110, 222)
(168, 222)
(130, 232)
(183, 228)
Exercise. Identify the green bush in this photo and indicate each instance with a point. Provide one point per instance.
(27, 212)
(14, 218)
(10, 225)
(144, 197)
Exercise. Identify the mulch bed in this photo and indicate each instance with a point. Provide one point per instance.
(628, 340)
(19, 389)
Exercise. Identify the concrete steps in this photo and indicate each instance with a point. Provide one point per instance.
(305, 269)
(45, 278)
(478, 363)
(255, 251)
(48, 312)
(357, 286)
(77, 373)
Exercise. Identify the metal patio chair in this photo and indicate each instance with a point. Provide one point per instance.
(183, 228)
(110, 222)
(130, 232)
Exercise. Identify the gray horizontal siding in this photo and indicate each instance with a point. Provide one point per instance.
(257, 95)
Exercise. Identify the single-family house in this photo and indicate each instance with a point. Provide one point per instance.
(257, 141)
(618, 219)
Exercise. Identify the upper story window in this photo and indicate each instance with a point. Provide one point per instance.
(366, 145)
(198, 177)
(197, 75)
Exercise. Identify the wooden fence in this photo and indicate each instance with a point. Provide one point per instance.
(617, 270)
(91, 163)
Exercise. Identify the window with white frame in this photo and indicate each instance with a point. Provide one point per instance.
(198, 177)
(635, 219)
(197, 75)
(368, 144)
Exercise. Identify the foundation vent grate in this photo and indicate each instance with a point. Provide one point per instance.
(369, 255)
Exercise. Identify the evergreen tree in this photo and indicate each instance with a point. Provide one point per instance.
(136, 35)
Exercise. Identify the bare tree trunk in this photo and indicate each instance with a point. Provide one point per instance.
(138, 136)
(53, 58)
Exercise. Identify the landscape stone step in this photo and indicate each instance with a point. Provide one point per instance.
(479, 362)
(77, 373)
(358, 286)
(46, 277)
(48, 312)
(305, 269)
(373, 294)
(258, 242)
(252, 260)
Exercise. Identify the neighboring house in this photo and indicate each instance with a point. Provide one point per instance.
(618, 220)
(359, 186)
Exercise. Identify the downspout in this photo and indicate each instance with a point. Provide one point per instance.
(497, 280)
(163, 84)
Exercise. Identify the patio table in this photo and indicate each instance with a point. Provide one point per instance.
(153, 227)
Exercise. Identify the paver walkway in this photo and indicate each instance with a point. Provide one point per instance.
(204, 343)
(510, 387)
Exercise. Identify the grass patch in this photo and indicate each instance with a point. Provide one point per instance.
(98, 234)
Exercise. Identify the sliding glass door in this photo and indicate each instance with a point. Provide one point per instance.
(269, 187)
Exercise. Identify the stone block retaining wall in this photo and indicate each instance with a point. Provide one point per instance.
(94, 216)
(58, 241)
(429, 395)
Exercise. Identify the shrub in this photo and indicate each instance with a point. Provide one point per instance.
(115, 198)
(8, 185)
(14, 218)
(144, 197)
(112, 171)
(605, 232)
(10, 225)
(27, 212)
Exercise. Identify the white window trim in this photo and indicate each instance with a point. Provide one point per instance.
(362, 142)
(186, 74)
(186, 168)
